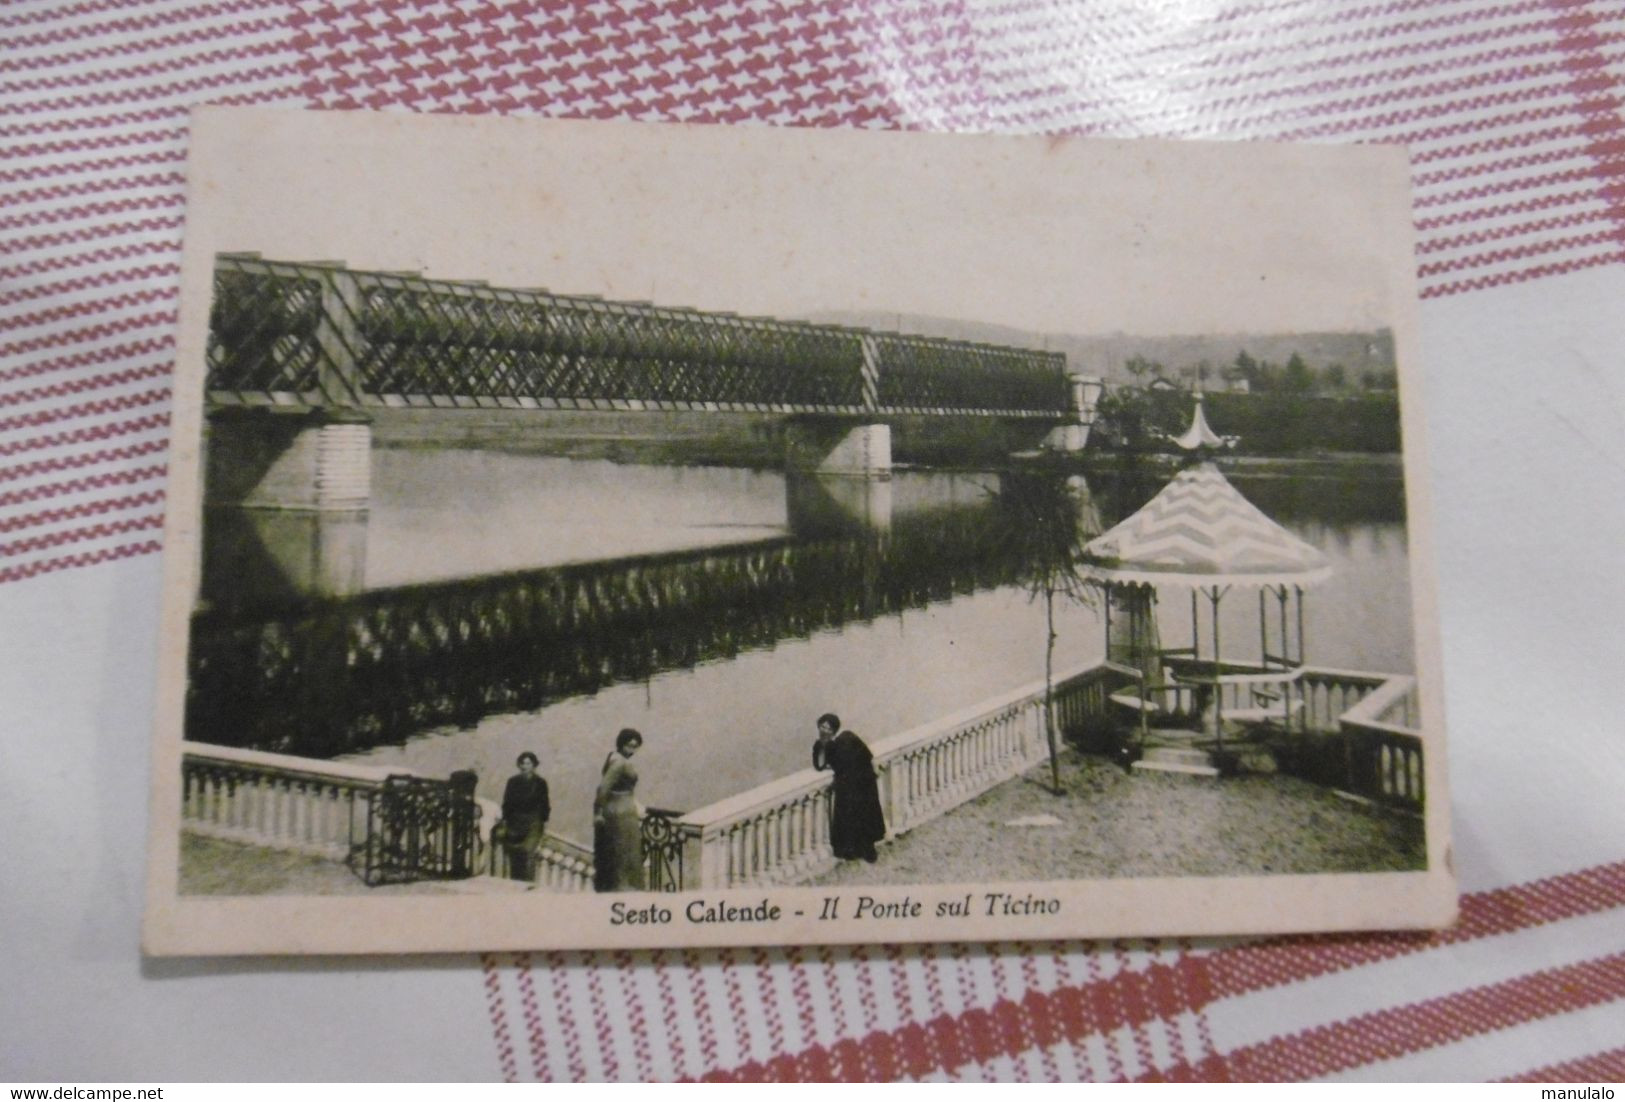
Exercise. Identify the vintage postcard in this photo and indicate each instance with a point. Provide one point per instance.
(607, 535)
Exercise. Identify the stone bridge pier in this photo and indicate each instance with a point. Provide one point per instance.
(286, 500)
(837, 477)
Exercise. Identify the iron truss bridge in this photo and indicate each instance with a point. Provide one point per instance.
(322, 335)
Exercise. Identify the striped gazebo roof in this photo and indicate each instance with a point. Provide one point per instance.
(1200, 531)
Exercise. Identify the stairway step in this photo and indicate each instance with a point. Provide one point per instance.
(1176, 767)
(483, 885)
(1174, 755)
(1129, 699)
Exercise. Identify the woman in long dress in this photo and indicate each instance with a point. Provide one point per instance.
(617, 821)
(856, 821)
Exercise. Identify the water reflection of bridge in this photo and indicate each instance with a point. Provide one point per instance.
(331, 675)
(322, 677)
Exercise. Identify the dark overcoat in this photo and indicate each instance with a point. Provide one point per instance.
(856, 821)
(525, 810)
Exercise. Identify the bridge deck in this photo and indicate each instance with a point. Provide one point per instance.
(321, 335)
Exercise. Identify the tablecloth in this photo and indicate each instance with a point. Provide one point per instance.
(1513, 115)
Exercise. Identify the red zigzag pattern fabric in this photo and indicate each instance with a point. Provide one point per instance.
(1511, 110)
(1383, 1007)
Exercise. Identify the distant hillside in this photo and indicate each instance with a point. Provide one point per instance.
(1105, 355)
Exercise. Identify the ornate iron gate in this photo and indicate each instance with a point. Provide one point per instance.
(420, 829)
(663, 838)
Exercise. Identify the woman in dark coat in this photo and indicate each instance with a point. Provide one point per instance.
(617, 821)
(525, 811)
(856, 822)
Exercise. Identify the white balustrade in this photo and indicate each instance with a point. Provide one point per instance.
(276, 800)
(563, 866)
(1385, 743)
(1329, 693)
(1390, 705)
(284, 802)
(779, 833)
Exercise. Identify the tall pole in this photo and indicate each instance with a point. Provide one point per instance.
(1282, 596)
(1218, 690)
(1049, 692)
(1106, 600)
(1304, 722)
(1298, 589)
(1264, 634)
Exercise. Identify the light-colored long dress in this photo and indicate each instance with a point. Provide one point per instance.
(617, 835)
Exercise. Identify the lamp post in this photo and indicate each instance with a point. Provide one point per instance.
(1086, 392)
(1073, 434)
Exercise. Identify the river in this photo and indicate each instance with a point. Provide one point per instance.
(742, 716)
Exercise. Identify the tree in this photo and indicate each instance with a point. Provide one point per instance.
(1138, 419)
(1336, 376)
(1049, 518)
(1269, 377)
(1246, 368)
(1139, 367)
(1298, 379)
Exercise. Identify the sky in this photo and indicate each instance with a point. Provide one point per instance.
(1043, 234)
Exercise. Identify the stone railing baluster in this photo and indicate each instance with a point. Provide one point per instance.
(1383, 745)
(779, 832)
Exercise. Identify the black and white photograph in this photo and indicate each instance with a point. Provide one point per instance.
(610, 535)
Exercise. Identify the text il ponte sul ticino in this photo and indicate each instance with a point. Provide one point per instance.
(835, 908)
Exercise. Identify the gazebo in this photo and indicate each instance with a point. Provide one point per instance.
(1201, 536)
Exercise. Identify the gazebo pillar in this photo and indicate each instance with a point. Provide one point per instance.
(1132, 637)
(1215, 595)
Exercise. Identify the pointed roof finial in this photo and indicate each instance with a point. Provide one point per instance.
(1200, 435)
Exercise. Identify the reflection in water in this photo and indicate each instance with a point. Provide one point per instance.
(439, 515)
(721, 727)
(1339, 502)
(722, 654)
(459, 513)
(258, 557)
(333, 676)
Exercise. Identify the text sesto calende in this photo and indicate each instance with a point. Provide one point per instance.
(702, 912)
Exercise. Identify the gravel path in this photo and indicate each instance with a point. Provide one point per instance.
(1110, 823)
(210, 866)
